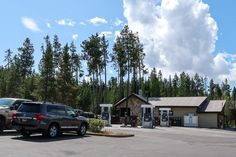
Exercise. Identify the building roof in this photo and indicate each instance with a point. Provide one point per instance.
(177, 101)
(213, 106)
(135, 95)
(201, 103)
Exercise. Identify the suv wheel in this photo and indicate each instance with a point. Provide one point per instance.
(25, 133)
(2, 124)
(82, 129)
(53, 131)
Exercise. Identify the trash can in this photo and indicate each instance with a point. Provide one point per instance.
(156, 121)
(134, 121)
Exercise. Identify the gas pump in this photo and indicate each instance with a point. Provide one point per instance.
(147, 116)
(106, 113)
(164, 116)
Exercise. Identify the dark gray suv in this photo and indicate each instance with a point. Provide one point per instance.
(47, 118)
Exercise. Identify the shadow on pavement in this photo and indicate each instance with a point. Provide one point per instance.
(39, 138)
(230, 129)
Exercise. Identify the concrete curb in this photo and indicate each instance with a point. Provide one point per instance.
(110, 135)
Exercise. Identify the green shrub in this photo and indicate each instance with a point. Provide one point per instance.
(96, 125)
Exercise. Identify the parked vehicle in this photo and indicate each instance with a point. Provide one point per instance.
(85, 114)
(88, 114)
(48, 118)
(78, 111)
(7, 107)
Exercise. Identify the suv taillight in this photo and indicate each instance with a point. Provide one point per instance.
(39, 116)
(14, 115)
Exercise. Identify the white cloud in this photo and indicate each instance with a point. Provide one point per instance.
(108, 34)
(116, 34)
(118, 22)
(75, 36)
(225, 66)
(48, 25)
(30, 24)
(179, 35)
(82, 23)
(66, 22)
(98, 21)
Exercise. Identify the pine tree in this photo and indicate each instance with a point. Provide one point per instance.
(26, 58)
(85, 96)
(136, 56)
(26, 61)
(112, 95)
(193, 88)
(47, 88)
(105, 57)
(126, 43)
(57, 51)
(154, 84)
(234, 94)
(66, 85)
(198, 85)
(119, 59)
(3, 82)
(218, 92)
(76, 63)
(175, 85)
(92, 54)
(8, 58)
(233, 106)
(182, 87)
(226, 90)
(13, 83)
(169, 87)
(212, 90)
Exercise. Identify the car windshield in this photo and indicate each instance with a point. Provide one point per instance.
(6, 102)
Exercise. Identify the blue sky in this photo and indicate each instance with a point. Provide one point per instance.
(225, 15)
(44, 12)
(77, 19)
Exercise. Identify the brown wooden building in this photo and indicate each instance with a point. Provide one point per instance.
(209, 113)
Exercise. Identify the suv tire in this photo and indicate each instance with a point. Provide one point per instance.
(2, 125)
(53, 131)
(82, 130)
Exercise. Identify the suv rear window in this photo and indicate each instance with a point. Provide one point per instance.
(29, 107)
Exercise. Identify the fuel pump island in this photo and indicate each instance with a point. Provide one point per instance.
(148, 120)
(147, 116)
(106, 113)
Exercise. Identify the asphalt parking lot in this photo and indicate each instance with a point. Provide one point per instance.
(161, 142)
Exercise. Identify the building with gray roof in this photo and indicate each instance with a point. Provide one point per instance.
(183, 110)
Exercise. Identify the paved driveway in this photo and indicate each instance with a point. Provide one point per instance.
(159, 142)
